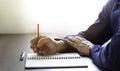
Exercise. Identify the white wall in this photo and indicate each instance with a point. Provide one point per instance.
(60, 17)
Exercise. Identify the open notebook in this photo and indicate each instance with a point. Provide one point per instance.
(63, 60)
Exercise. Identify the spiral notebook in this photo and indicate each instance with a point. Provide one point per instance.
(63, 60)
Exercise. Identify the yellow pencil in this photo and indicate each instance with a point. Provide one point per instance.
(38, 31)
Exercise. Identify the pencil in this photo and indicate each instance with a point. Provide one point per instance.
(38, 31)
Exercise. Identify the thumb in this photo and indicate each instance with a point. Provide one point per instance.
(42, 42)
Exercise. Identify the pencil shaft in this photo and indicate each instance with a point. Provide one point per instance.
(38, 31)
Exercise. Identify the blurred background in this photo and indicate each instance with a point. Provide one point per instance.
(58, 17)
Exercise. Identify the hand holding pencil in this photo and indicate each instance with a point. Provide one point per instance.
(43, 45)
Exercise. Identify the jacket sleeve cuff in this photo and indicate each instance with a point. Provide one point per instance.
(95, 55)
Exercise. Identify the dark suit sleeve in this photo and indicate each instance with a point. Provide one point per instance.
(107, 55)
(100, 32)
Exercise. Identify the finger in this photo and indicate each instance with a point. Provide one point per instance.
(35, 40)
(42, 42)
(83, 40)
(42, 50)
(44, 53)
(80, 39)
(33, 46)
(75, 40)
(39, 52)
(35, 50)
(48, 50)
(72, 43)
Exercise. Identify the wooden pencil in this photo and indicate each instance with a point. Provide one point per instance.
(38, 31)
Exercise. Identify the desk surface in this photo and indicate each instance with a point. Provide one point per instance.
(11, 47)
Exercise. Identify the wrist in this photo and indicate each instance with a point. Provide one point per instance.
(88, 52)
(60, 46)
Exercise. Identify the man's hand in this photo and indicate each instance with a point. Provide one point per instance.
(46, 46)
(81, 44)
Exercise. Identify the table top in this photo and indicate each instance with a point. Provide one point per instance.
(11, 46)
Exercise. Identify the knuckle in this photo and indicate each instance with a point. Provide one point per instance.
(31, 46)
(34, 49)
(34, 40)
(31, 41)
(47, 39)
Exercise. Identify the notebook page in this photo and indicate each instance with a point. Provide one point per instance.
(56, 61)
